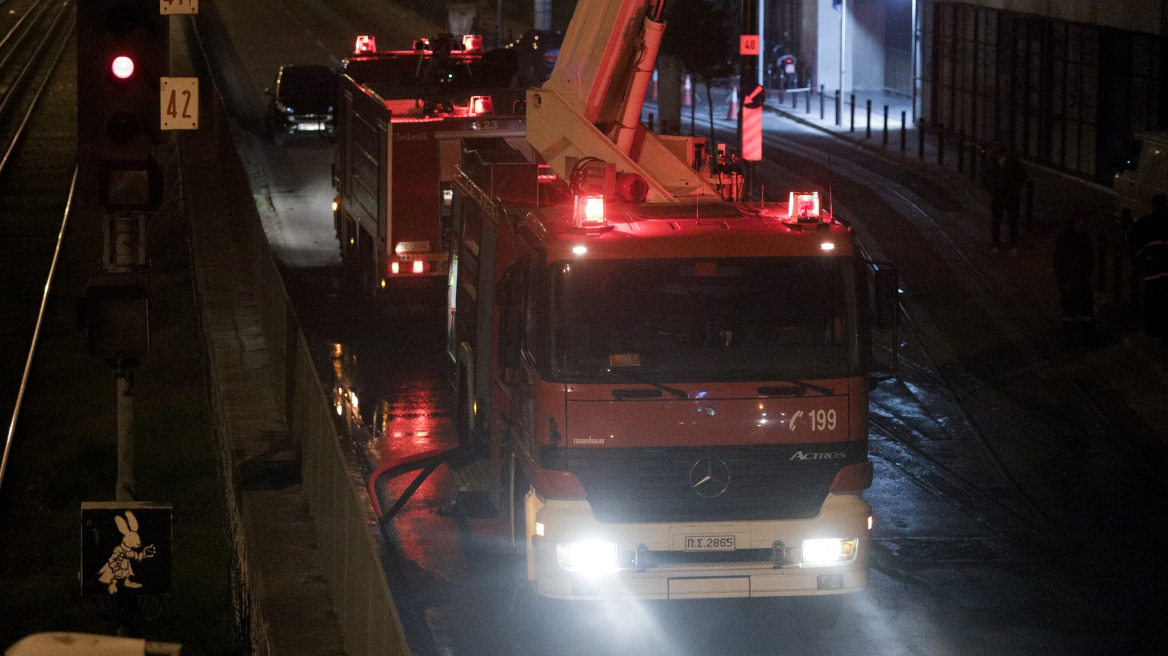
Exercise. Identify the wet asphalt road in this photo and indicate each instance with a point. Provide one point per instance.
(1018, 500)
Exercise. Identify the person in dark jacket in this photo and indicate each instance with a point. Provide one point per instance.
(1074, 260)
(1003, 178)
(1149, 244)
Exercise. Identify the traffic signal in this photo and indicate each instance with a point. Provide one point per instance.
(122, 52)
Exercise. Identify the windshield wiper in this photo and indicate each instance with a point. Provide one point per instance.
(681, 394)
(798, 388)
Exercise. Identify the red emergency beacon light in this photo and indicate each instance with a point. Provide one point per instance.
(472, 42)
(481, 105)
(803, 207)
(122, 67)
(365, 43)
(588, 213)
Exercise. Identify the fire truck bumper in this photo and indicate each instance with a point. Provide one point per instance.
(580, 558)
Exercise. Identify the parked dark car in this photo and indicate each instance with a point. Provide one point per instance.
(302, 101)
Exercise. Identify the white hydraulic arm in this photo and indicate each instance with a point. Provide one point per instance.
(591, 104)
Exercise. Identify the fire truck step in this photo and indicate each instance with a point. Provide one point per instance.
(471, 475)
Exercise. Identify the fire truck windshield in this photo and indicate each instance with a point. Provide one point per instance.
(706, 320)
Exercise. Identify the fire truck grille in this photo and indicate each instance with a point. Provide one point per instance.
(705, 484)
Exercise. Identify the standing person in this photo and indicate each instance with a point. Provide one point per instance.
(1003, 178)
(1074, 260)
(1149, 243)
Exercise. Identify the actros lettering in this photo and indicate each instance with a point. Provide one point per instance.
(818, 455)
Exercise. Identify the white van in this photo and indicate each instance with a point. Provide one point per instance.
(1143, 174)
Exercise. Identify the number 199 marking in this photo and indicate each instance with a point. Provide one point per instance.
(822, 420)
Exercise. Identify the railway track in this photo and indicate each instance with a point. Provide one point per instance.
(1041, 455)
(37, 176)
(30, 53)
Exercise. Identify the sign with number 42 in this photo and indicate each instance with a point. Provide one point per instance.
(180, 103)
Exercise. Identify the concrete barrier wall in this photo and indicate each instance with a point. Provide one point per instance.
(345, 525)
(346, 530)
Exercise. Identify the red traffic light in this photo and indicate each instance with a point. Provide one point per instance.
(122, 67)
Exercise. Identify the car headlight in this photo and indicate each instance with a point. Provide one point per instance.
(822, 551)
(593, 558)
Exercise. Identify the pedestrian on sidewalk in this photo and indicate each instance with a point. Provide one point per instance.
(1003, 178)
(1074, 259)
(1149, 244)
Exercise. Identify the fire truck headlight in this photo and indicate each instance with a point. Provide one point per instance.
(824, 551)
(593, 558)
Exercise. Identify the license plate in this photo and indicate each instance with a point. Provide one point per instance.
(311, 127)
(709, 543)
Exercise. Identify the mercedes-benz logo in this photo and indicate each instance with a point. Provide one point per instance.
(709, 477)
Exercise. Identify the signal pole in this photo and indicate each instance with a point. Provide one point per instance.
(122, 53)
(753, 93)
(124, 103)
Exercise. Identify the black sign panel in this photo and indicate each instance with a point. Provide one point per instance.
(125, 548)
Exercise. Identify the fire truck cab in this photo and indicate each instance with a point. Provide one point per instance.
(678, 395)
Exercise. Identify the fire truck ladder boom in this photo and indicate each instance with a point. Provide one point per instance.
(591, 105)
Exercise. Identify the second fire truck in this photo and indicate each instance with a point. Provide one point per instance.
(400, 118)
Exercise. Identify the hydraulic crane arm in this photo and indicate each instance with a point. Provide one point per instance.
(591, 104)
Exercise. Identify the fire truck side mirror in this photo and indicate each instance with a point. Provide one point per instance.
(509, 288)
(509, 298)
(886, 298)
(510, 338)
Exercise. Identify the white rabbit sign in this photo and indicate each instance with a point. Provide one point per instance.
(125, 548)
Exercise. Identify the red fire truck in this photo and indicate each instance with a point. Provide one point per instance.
(400, 118)
(666, 385)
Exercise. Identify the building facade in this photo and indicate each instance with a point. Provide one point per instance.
(1065, 81)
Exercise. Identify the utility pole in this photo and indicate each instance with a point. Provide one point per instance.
(843, 42)
(751, 89)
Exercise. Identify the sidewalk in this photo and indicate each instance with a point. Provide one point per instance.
(1133, 366)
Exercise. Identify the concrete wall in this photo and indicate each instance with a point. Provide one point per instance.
(867, 45)
(864, 57)
(309, 580)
